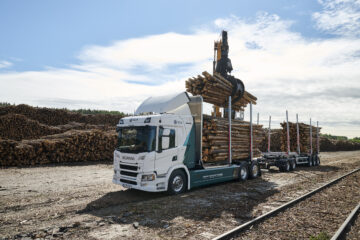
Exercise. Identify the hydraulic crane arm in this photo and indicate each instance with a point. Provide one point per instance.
(223, 66)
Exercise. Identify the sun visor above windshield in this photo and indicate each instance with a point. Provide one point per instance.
(163, 104)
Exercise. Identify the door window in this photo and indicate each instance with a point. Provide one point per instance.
(166, 138)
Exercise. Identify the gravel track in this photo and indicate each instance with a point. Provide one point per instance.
(354, 232)
(323, 213)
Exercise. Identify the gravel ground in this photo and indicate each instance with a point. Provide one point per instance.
(80, 201)
(322, 213)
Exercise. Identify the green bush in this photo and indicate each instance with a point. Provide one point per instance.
(321, 236)
(92, 111)
(329, 136)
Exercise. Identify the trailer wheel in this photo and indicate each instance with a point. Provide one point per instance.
(292, 164)
(286, 167)
(254, 170)
(177, 182)
(310, 162)
(243, 171)
(317, 159)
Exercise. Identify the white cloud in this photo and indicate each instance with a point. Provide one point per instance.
(340, 17)
(318, 78)
(5, 64)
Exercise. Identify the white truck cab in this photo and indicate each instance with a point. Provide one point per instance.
(151, 147)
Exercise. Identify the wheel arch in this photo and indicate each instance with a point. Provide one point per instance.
(178, 167)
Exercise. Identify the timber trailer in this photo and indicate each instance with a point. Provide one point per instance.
(162, 151)
(287, 161)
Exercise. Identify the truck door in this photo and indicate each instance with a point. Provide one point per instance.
(167, 149)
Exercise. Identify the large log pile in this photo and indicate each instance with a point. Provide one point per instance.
(304, 133)
(71, 146)
(18, 127)
(215, 90)
(54, 117)
(31, 136)
(330, 145)
(215, 139)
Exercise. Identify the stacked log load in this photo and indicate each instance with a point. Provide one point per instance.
(216, 143)
(71, 146)
(304, 137)
(275, 145)
(215, 90)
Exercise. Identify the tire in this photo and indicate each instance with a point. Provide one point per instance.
(292, 164)
(243, 171)
(177, 182)
(254, 170)
(286, 167)
(310, 162)
(317, 160)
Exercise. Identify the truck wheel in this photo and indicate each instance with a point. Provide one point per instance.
(177, 182)
(292, 164)
(243, 171)
(254, 170)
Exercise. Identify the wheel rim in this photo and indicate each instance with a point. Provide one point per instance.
(287, 166)
(293, 165)
(255, 170)
(243, 173)
(177, 183)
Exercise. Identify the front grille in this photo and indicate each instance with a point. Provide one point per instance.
(131, 174)
(132, 168)
(128, 181)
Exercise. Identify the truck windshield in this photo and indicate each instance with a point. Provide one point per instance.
(136, 139)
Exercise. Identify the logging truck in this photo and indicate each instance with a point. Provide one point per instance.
(287, 161)
(160, 148)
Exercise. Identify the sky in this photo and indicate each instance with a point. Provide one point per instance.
(300, 56)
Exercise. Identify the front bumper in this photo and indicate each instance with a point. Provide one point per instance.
(158, 185)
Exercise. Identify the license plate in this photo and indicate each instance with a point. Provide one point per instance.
(127, 185)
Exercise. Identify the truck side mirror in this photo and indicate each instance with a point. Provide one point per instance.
(165, 142)
(166, 132)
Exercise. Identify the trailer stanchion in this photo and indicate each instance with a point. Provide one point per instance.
(311, 147)
(297, 134)
(230, 146)
(317, 138)
(269, 135)
(287, 133)
(251, 134)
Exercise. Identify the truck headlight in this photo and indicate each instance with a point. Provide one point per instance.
(148, 177)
